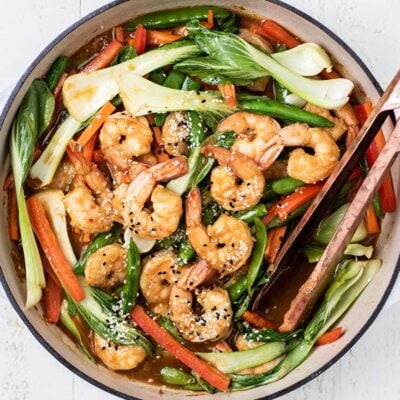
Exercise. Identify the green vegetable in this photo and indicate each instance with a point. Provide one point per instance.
(105, 84)
(186, 252)
(173, 240)
(168, 325)
(270, 335)
(45, 167)
(237, 290)
(190, 84)
(257, 256)
(210, 213)
(174, 80)
(101, 240)
(286, 185)
(67, 321)
(195, 387)
(235, 361)
(177, 17)
(314, 253)
(248, 216)
(125, 53)
(350, 281)
(56, 70)
(158, 76)
(203, 384)
(197, 130)
(130, 289)
(31, 120)
(328, 226)
(241, 60)
(276, 222)
(173, 376)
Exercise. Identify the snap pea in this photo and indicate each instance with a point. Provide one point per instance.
(268, 194)
(173, 376)
(177, 17)
(101, 240)
(194, 387)
(130, 289)
(257, 257)
(56, 70)
(237, 289)
(286, 185)
(248, 215)
(264, 105)
(158, 76)
(174, 80)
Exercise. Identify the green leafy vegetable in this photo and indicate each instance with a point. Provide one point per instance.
(186, 252)
(314, 253)
(46, 105)
(168, 325)
(56, 70)
(126, 53)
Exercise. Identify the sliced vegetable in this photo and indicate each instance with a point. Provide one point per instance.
(101, 240)
(104, 58)
(276, 32)
(177, 17)
(158, 38)
(84, 94)
(228, 92)
(169, 326)
(275, 239)
(68, 322)
(163, 338)
(248, 216)
(13, 215)
(244, 61)
(56, 70)
(238, 289)
(52, 300)
(257, 320)
(257, 256)
(371, 220)
(46, 105)
(314, 253)
(173, 376)
(186, 252)
(139, 41)
(328, 226)
(330, 337)
(96, 123)
(45, 167)
(126, 53)
(286, 185)
(52, 249)
(238, 360)
(143, 245)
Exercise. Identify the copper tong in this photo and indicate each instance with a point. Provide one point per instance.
(315, 285)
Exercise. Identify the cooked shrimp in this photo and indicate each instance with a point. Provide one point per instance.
(215, 321)
(347, 114)
(160, 271)
(158, 223)
(175, 133)
(106, 267)
(238, 183)
(118, 357)
(253, 132)
(302, 166)
(337, 131)
(85, 213)
(226, 245)
(64, 176)
(123, 137)
(243, 344)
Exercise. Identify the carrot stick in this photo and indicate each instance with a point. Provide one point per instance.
(52, 250)
(330, 336)
(119, 34)
(279, 34)
(88, 148)
(372, 220)
(51, 300)
(139, 41)
(96, 123)
(162, 337)
(274, 242)
(13, 216)
(158, 145)
(8, 182)
(104, 58)
(157, 38)
(257, 321)
(228, 92)
(252, 25)
(60, 84)
(387, 195)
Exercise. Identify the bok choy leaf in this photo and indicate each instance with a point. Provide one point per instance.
(248, 62)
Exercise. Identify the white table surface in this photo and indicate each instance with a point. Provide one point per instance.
(370, 370)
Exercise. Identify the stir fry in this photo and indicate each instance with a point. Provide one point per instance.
(156, 174)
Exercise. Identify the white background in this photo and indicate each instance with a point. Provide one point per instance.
(370, 370)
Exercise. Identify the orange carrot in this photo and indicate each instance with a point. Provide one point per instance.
(252, 25)
(228, 92)
(157, 38)
(13, 216)
(257, 321)
(387, 195)
(119, 34)
(372, 220)
(279, 34)
(96, 123)
(330, 336)
(139, 41)
(104, 58)
(274, 242)
(60, 84)
(158, 145)
(163, 338)
(88, 148)
(52, 250)
(51, 300)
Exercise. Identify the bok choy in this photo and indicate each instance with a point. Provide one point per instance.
(241, 60)
(33, 117)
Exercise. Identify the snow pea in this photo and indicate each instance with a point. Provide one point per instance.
(56, 70)
(248, 215)
(177, 377)
(286, 185)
